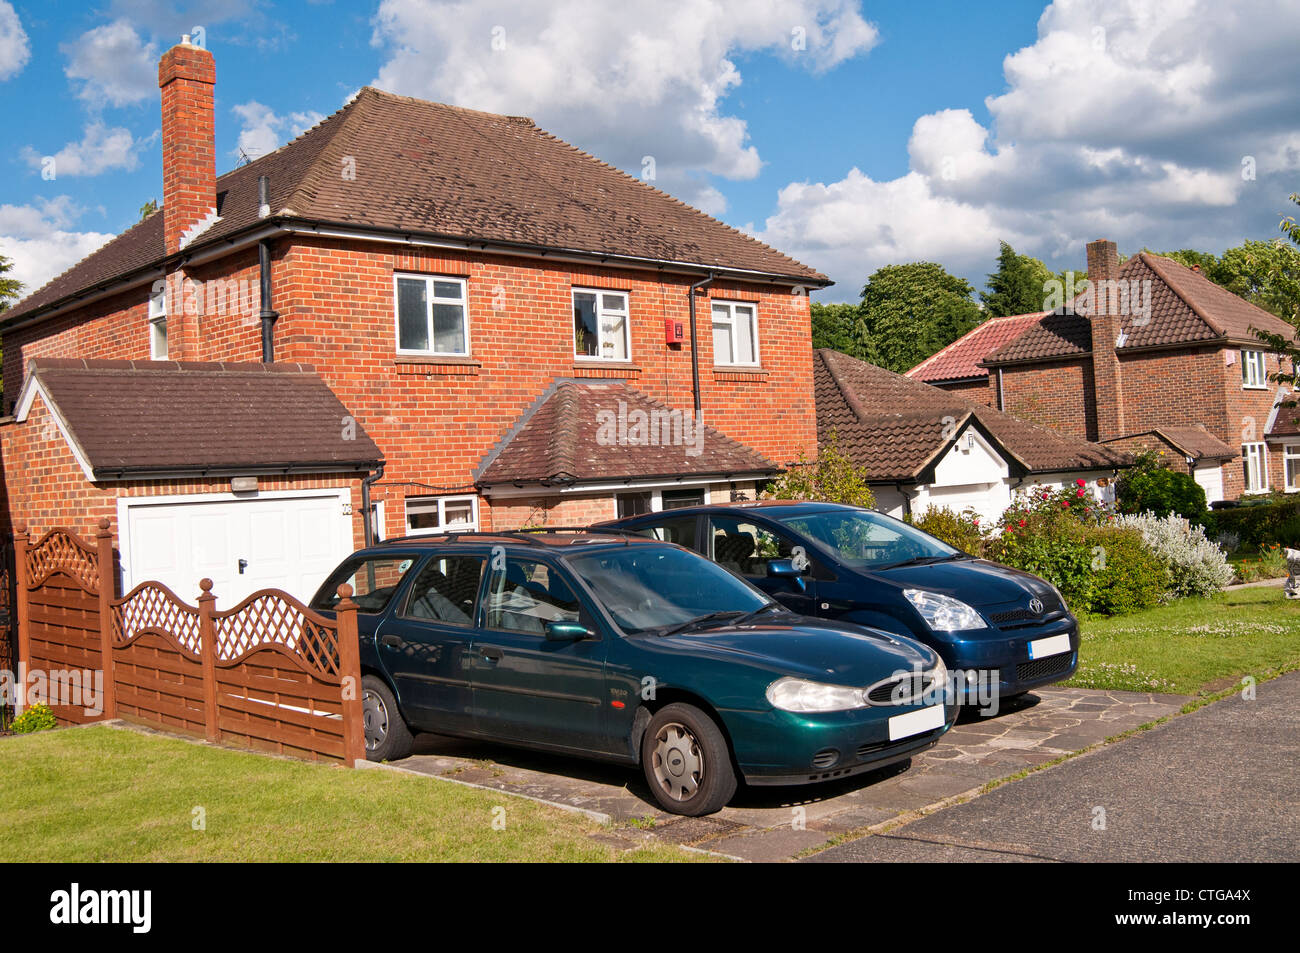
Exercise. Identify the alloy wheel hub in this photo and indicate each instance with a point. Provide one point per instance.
(678, 762)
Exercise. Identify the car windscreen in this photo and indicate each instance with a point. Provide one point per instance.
(868, 540)
(645, 588)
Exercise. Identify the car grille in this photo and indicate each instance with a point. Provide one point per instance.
(866, 750)
(825, 758)
(883, 693)
(1043, 667)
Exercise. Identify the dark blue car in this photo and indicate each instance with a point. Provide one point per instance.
(1000, 630)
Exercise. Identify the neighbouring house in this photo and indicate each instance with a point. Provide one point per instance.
(413, 318)
(925, 447)
(1157, 356)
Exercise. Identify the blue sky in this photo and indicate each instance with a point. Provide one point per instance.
(848, 134)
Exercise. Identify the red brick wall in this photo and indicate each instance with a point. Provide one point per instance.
(436, 421)
(981, 392)
(1058, 395)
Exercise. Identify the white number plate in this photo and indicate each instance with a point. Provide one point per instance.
(1045, 647)
(915, 722)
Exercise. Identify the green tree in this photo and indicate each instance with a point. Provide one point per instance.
(910, 311)
(148, 208)
(840, 327)
(1018, 286)
(9, 287)
(832, 478)
(1284, 284)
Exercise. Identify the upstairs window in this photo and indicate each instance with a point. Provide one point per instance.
(600, 325)
(432, 318)
(158, 326)
(735, 334)
(1252, 369)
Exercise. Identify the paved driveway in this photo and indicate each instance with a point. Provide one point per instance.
(778, 823)
(1220, 784)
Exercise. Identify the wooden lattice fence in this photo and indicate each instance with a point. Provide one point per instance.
(269, 673)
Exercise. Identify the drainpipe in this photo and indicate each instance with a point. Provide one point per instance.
(365, 504)
(268, 315)
(695, 350)
(1001, 401)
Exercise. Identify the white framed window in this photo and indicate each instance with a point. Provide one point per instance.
(432, 315)
(1291, 456)
(735, 333)
(1254, 467)
(158, 325)
(601, 329)
(1253, 373)
(441, 514)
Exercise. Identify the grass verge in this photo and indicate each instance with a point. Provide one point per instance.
(106, 794)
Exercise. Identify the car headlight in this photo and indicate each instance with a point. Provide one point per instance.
(943, 613)
(800, 695)
(939, 676)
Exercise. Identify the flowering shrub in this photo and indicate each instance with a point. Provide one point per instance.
(961, 530)
(36, 718)
(1270, 564)
(1195, 566)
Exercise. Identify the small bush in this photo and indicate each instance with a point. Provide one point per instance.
(1128, 576)
(1270, 564)
(37, 718)
(1149, 486)
(1195, 566)
(961, 530)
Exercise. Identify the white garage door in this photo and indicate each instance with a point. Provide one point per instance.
(1211, 480)
(286, 541)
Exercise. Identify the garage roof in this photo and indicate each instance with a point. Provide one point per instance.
(128, 419)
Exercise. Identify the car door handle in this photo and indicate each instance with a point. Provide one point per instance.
(392, 641)
(492, 654)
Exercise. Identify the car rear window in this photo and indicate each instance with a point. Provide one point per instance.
(374, 581)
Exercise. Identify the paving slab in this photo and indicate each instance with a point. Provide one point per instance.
(766, 824)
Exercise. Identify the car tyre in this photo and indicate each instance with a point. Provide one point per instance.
(687, 761)
(387, 736)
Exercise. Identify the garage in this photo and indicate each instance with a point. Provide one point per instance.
(247, 474)
(278, 540)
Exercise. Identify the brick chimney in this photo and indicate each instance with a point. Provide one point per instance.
(186, 76)
(1107, 381)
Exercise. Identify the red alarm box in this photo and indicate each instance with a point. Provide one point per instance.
(674, 331)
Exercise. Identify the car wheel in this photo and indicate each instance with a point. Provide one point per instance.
(387, 737)
(687, 762)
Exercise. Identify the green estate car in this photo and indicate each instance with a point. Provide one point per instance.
(630, 650)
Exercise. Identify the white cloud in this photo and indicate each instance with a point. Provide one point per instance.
(264, 131)
(101, 149)
(1128, 121)
(14, 48)
(40, 241)
(114, 65)
(618, 80)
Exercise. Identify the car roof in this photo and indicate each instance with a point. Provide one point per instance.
(766, 507)
(546, 538)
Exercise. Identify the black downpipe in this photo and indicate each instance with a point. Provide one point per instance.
(268, 315)
(695, 349)
(365, 504)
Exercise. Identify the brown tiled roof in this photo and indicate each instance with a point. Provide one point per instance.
(896, 427)
(1286, 423)
(134, 417)
(961, 359)
(441, 170)
(560, 440)
(1186, 308)
(1193, 441)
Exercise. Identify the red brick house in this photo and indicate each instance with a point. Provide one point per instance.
(1164, 359)
(511, 332)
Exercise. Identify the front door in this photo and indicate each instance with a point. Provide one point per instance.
(526, 687)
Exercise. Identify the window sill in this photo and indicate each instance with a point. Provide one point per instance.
(605, 369)
(430, 365)
(738, 372)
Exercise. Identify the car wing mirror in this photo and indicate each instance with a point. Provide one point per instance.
(786, 569)
(566, 632)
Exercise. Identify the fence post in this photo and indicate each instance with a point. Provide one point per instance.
(107, 592)
(354, 729)
(208, 654)
(21, 611)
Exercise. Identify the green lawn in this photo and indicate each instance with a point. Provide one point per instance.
(1192, 645)
(105, 794)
